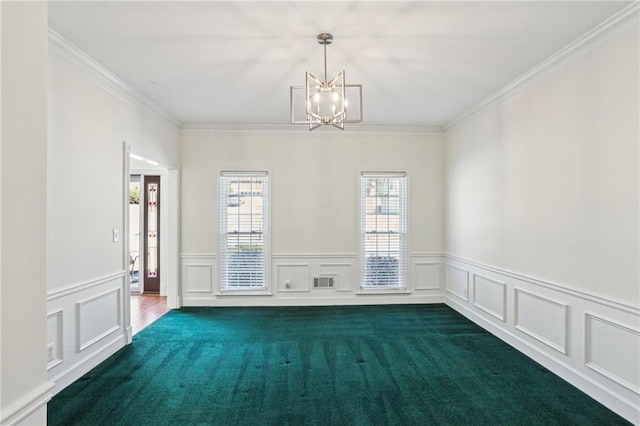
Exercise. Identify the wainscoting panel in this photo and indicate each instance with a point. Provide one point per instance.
(490, 296)
(541, 318)
(293, 277)
(458, 281)
(590, 341)
(98, 317)
(54, 338)
(622, 365)
(309, 266)
(425, 275)
(198, 279)
(342, 272)
(84, 327)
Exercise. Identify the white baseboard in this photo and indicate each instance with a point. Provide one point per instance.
(318, 301)
(86, 364)
(24, 409)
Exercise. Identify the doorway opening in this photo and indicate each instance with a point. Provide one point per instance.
(151, 254)
(147, 304)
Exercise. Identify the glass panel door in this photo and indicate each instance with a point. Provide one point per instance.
(134, 232)
(151, 276)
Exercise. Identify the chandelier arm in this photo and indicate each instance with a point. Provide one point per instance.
(336, 78)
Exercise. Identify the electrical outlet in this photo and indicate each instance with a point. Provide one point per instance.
(116, 235)
(51, 352)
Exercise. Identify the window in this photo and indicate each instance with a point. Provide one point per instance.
(243, 230)
(383, 229)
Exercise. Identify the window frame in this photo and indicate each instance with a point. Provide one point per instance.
(403, 279)
(265, 288)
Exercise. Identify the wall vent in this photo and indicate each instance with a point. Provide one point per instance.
(323, 282)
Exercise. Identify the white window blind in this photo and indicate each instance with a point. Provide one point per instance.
(244, 201)
(383, 229)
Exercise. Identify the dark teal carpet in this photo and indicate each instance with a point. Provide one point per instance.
(365, 365)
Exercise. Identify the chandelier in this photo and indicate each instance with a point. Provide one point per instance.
(326, 101)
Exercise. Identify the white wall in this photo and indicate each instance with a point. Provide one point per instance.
(89, 120)
(87, 126)
(24, 389)
(542, 219)
(548, 184)
(314, 199)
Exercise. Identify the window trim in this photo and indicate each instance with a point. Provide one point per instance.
(403, 287)
(265, 289)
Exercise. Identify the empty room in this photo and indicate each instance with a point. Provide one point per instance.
(304, 212)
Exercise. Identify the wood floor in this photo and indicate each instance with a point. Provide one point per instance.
(145, 309)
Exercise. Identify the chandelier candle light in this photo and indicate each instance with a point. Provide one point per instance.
(326, 101)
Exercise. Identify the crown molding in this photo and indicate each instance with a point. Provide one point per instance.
(204, 128)
(97, 73)
(552, 65)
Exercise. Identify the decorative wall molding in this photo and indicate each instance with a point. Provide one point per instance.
(340, 265)
(314, 256)
(458, 286)
(540, 318)
(198, 278)
(200, 289)
(425, 275)
(635, 310)
(67, 291)
(296, 275)
(490, 296)
(198, 256)
(98, 317)
(551, 66)
(342, 273)
(55, 341)
(104, 78)
(84, 326)
(21, 409)
(622, 366)
(427, 254)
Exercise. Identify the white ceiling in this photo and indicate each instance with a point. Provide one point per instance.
(232, 62)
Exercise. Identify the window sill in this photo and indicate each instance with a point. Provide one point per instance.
(387, 290)
(223, 293)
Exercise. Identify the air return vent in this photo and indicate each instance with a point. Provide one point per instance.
(323, 282)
